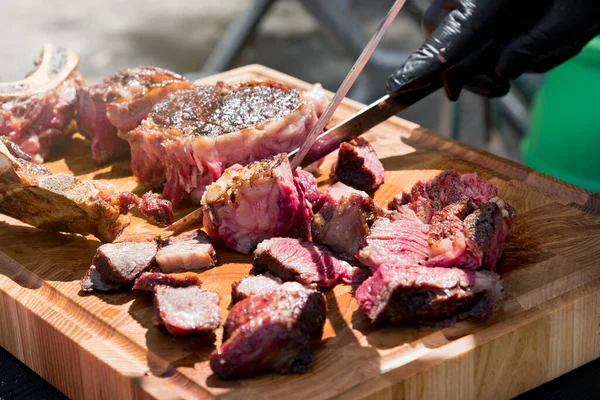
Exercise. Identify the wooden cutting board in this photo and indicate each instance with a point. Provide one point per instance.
(105, 347)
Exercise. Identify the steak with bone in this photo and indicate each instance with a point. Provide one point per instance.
(417, 294)
(259, 201)
(186, 310)
(304, 262)
(116, 265)
(344, 219)
(35, 113)
(189, 138)
(270, 332)
(192, 251)
(357, 165)
(253, 285)
(121, 102)
(64, 203)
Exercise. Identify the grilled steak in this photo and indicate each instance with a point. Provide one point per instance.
(397, 239)
(61, 202)
(305, 262)
(357, 165)
(306, 182)
(253, 285)
(190, 251)
(186, 310)
(248, 205)
(193, 135)
(147, 281)
(344, 219)
(93, 281)
(35, 113)
(123, 262)
(121, 102)
(429, 295)
(270, 332)
(449, 187)
(150, 204)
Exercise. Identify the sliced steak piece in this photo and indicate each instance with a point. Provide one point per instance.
(253, 285)
(257, 202)
(418, 295)
(193, 135)
(187, 310)
(357, 165)
(35, 113)
(305, 262)
(148, 280)
(397, 239)
(485, 232)
(121, 102)
(93, 281)
(307, 183)
(150, 205)
(123, 262)
(271, 332)
(192, 251)
(344, 220)
(449, 187)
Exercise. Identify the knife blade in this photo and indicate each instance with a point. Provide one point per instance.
(347, 83)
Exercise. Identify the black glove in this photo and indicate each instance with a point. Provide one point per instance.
(481, 44)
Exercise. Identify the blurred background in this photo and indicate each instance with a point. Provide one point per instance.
(317, 41)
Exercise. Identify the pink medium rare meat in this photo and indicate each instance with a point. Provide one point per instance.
(35, 113)
(253, 285)
(425, 197)
(150, 205)
(307, 183)
(121, 102)
(186, 310)
(271, 332)
(192, 136)
(343, 220)
(357, 165)
(61, 202)
(147, 281)
(192, 251)
(257, 202)
(304, 262)
(429, 295)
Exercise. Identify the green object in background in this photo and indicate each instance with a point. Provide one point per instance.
(564, 130)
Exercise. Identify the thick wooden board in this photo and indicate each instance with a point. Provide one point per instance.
(104, 346)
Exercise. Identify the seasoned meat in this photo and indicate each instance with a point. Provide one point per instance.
(357, 165)
(192, 251)
(344, 220)
(35, 113)
(150, 204)
(93, 281)
(259, 201)
(305, 262)
(193, 135)
(186, 310)
(270, 332)
(253, 285)
(121, 102)
(123, 262)
(148, 280)
(416, 294)
(397, 239)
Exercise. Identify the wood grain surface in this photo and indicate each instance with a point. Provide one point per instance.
(105, 347)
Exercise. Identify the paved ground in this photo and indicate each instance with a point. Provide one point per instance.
(111, 35)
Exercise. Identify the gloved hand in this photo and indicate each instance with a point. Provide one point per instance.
(482, 44)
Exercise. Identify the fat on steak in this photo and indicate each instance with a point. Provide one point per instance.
(64, 203)
(357, 165)
(121, 102)
(187, 252)
(253, 285)
(186, 310)
(259, 201)
(193, 135)
(305, 262)
(429, 295)
(343, 219)
(147, 281)
(35, 113)
(270, 332)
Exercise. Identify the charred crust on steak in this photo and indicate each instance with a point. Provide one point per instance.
(148, 280)
(225, 107)
(357, 165)
(123, 262)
